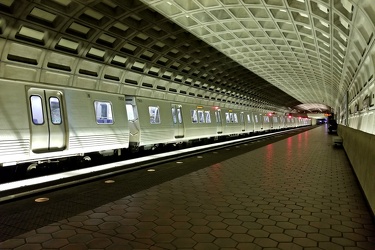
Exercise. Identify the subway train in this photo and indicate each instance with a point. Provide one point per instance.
(40, 124)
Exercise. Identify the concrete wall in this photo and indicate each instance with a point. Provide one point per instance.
(360, 149)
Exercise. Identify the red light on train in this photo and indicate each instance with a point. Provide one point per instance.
(269, 114)
(289, 116)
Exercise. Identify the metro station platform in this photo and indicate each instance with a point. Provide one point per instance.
(297, 193)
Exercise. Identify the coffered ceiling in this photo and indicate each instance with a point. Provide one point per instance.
(290, 54)
(303, 47)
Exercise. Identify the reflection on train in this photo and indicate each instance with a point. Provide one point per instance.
(39, 124)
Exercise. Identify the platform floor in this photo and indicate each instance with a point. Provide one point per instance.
(298, 193)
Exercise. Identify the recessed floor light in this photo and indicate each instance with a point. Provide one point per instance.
(109, 181)
(43, 199)
(151, 170)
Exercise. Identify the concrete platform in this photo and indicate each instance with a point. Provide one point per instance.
(298, 193)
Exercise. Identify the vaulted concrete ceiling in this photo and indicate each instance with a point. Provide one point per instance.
(300, 46)
(292, 54)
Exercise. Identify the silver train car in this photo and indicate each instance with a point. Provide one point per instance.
(40, 124)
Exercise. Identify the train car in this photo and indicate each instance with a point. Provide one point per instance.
(42, 124)
(39, 124)
(267, 123)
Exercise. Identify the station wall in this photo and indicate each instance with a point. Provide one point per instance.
(359, 147)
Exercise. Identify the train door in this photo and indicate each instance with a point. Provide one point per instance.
(177, 121)
(242, 121)
(48, 130)
(219, 122)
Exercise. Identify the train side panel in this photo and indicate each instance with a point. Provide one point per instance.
(155, 121)
(276, 122)
(97, 121)
(14, 123)
(267, 123)
(199, 121)
(231, 122)
(249, 122)
(257, 122)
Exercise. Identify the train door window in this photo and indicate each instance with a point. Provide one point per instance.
(241, 117)
(218, 116)
(103, 111)
(235, 118)
(256, 118)
(154, 114)
(248, 118)
(201, 116)
(194, 116)
(275, 119)
(54, 104)
(36, 109)
(179, 115)
(174, 117)
(131, 112)
(266, 119)
(208, 116)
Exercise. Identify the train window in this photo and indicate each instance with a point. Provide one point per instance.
(36, 109)
(275, 119)
(208, 116)
(194, 116)
(103, 112)
(266, 119)
(248, 118)
(231, 117)
(201, 116)
(235, 118)
(154, 114)
(227, 117)
(54, 104)
(241, 118)
(256, 118)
